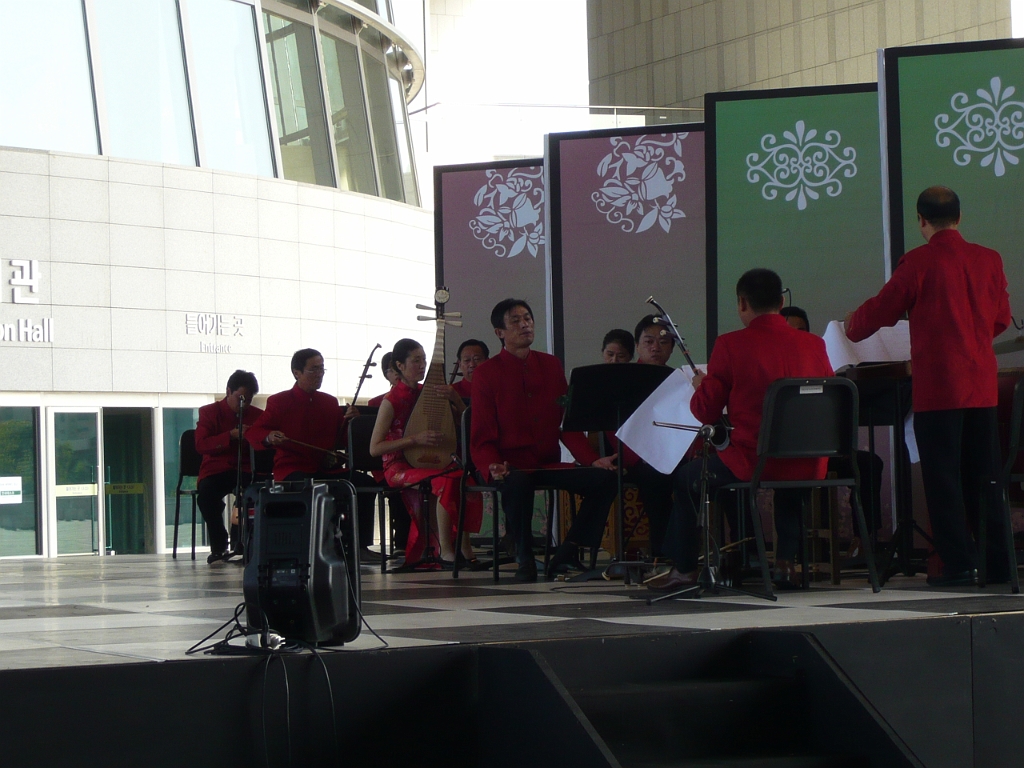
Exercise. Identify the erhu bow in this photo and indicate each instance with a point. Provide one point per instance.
(720, 439)
(366, 373)
(433, 411)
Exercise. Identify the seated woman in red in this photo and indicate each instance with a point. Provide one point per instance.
(389, 441)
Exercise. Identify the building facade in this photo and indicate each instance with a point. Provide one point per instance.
(187, 187)
(669, 53)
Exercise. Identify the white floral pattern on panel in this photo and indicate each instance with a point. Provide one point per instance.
(639, 182)
(992, 127)
(511, 216)
(801, 165)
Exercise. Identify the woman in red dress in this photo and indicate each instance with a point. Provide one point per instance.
(389, 441)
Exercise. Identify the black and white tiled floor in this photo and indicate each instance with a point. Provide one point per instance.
(90, 610)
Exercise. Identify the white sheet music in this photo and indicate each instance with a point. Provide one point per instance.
(887, 345)
(662, 447)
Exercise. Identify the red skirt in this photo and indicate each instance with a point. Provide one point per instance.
(446, 488)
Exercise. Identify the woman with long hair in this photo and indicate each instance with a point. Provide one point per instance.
(390, 442)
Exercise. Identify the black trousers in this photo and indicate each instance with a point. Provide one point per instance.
(210, 498)
(598, 488)
(682, 543)
(869, 466)
(365, 501)
(960, 466)
(656, 495)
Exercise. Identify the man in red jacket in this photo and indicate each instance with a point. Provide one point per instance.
(217, 440)
(516, 429)
(955, 295)
(306, 415)
(743, 365)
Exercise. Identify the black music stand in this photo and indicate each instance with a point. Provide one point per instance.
(600, 399)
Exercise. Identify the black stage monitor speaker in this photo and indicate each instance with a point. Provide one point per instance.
(302, 578)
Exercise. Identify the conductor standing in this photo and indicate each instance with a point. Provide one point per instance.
(955, 295)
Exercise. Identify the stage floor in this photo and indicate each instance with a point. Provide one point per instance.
(113, 610)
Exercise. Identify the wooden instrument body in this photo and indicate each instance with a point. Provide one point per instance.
(433, 412)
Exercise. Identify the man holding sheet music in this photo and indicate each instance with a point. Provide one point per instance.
(743, 365)
(955, 294)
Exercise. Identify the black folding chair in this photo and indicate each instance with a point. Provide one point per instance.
(359, 460)
(468, 473)
(189, 461)
(1009, 476)
(803, 419)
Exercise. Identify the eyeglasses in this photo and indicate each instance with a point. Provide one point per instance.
(315, 369)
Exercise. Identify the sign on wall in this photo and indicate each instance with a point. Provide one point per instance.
(955, 117)
(626, 222)
(490, 244)
(794, 185)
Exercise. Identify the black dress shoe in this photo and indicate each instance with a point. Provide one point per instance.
(218, 556)
(961, 579)
(672, 581)
(526, 572)
(565, 557)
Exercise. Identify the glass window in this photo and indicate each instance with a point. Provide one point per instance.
(348, 113)
(177, 421)
(298, 102)
(19, 497)
(404, 151)
(138, 62)
(231, 113)
(370, 5)
(383, 127)
(46, 99)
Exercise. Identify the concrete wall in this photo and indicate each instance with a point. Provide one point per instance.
(669, 53)
(163, 279)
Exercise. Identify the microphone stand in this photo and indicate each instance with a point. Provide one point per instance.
(239, 548)
(707, 580)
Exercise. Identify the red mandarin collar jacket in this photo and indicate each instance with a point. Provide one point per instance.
(743, 365)
(463, 388)
(955, 294)
(213, 437)
(516, 414)
(315, 418)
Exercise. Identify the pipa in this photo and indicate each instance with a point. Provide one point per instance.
(433, 411)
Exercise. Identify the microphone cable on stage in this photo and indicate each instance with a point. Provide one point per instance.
(287, 708)
(352, 591)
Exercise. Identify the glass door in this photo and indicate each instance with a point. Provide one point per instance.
(75, 479)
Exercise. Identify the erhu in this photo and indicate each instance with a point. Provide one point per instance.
(366, 373)
(720, 439)
(433, 411)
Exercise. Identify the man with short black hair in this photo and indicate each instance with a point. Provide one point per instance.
(303, 414)
(217, 440)
(471, 353)
(955, 295)
(516, 429)
(743, 365)
(654, 345)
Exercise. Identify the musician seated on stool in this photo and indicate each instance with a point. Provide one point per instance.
(516, 429)
(869, 465)
(303, 414)
(390, 442)
(618, 346)
(743, 365)
(217, 440)
(396, 503)
(471, 353)
(654, 487)
(654, 344)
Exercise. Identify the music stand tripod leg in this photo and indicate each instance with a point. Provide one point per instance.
(707, 579)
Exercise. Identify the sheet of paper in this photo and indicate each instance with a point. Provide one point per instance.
(887, 345)
(663, 447)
